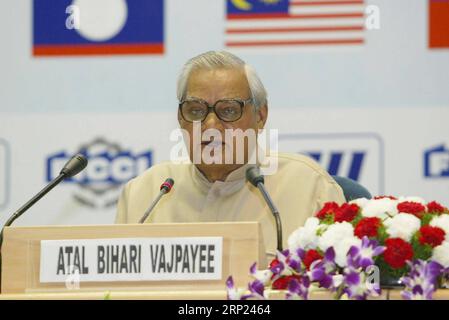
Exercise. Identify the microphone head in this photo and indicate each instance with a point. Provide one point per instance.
(167, 185)
(253, 176)
(74, 166)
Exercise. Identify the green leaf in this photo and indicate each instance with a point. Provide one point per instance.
(382, 234)
(328, 219)
(426, 218)
(357, 219)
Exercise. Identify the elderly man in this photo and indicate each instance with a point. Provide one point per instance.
(217, 90)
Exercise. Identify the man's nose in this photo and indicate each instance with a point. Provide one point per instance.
(212, 121)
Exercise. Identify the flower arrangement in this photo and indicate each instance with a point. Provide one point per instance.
(347, 249)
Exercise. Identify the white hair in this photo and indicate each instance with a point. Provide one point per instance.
(212, 60)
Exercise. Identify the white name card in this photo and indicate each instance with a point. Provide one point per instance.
(132, 259)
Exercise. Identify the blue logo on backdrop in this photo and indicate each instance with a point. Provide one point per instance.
(335, 159)
(109, 167)
(358, 156)
(436, 162)
(4, 173)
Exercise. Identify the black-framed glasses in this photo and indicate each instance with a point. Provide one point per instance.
(227, 110)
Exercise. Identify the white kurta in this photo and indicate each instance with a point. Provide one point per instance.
(299, 188)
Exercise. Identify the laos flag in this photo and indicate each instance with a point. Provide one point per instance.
(97, 27)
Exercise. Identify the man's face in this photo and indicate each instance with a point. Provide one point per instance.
(211, 86)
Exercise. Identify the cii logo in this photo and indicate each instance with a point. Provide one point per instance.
(109, 167)
(4, 173)
(436, 162)
(359, 156)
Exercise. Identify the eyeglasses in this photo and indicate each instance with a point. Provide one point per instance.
(227, 110)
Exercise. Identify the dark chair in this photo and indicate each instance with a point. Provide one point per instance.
(352, 189)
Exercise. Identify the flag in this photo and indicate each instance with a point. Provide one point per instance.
(294, 23)
(97, 27)
(438, 23)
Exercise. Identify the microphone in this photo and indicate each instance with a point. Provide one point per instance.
(74, 166)
(256, 179)
(164, 189)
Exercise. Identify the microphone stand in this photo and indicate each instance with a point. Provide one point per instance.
(165, 188)
(275, 213)
(24, 208)
(33, 200)
(147, 213)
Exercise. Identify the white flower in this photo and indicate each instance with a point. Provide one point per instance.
(441, 222)
(342, 248)
(403, 226)
(334, 234)
(361, 202)
(337, 280)
(380, 208)
(412, 199)
(441, 254)
(305, 237)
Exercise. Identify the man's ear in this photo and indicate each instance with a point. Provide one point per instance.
(262, 115)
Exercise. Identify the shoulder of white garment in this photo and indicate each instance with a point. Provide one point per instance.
(158, 173)
(302, 164)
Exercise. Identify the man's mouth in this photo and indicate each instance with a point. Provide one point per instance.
(213, 143)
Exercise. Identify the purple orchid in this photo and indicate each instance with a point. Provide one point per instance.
(420, 283)
(298, 289)
(286, 265)
(363, 256)
(257, 290)
(234, 293)
(324, 270)
(263, 276)
(356, 285)
(295, 259)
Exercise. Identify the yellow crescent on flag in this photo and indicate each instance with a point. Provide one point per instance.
(242, 4)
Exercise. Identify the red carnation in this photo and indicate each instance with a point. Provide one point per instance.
(435, 207)
(282, 283)
(383, 197)
(415, 208)
(347, 212)
(367, 227)
(310, 257)
(397, 252)
(329, 208)
(274, 263)
(431, 235)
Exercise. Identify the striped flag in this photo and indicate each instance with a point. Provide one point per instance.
(294, 23)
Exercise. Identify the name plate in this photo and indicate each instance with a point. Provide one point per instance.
(132, 259)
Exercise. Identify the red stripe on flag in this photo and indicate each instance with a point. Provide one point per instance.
(293, 42)
(325, 3)
(293, 16)
(294, 29)
(97, 49)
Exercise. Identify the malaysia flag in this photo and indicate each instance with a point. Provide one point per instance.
(97, 27)
(294, 23)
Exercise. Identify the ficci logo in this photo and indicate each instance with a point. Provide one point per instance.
(109, 167)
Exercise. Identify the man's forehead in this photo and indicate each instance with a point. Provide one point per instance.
(217, 82)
